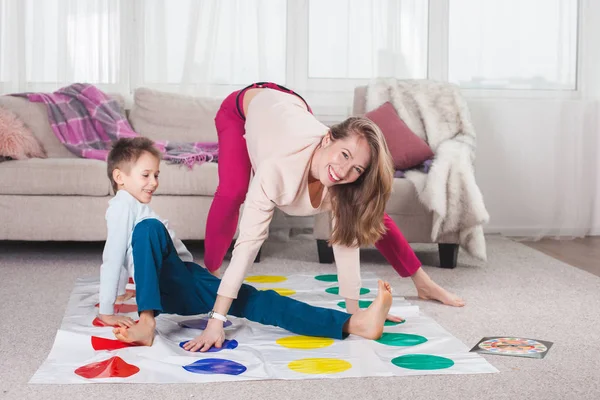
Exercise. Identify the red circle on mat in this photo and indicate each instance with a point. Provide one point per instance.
(114, 367)
(99, 343)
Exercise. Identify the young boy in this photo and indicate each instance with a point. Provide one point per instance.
(167, 280)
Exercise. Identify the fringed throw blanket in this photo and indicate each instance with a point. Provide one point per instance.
(87, 121)
(438, 113)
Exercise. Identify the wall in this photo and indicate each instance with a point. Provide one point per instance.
(537, 164)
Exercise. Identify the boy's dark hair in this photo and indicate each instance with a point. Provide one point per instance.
(126, 152)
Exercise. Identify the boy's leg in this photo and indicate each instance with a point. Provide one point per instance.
(269, 308)
(234, 178)
(163, 281)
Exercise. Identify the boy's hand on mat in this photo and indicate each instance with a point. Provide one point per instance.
(124, 297)
(394, 318)
(117, 320)
(213, 335)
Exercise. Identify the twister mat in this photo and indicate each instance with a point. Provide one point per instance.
(84, 352)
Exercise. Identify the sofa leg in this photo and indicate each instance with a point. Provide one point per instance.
(448, 254)
(257, 259)
(325, 252)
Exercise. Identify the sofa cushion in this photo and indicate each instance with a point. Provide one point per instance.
(35, 117)
(54, 176)
(202, 180)
(175, 117)
(407, 149)
(16, 139)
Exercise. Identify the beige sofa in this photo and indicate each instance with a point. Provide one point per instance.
(413, 219)
(64, 197)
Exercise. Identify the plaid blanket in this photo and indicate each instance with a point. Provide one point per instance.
(87, 121)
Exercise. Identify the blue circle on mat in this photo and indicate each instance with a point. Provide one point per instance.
(199, 323)
(215, 366)
(227, 345)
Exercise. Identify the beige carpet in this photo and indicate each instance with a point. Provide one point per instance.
(519, 292)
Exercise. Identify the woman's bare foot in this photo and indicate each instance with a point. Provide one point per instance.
(369, 323)
(429, 290)
(141, 333)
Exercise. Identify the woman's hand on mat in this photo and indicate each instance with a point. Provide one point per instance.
(124, 297)
(213, 335)
(117, 320)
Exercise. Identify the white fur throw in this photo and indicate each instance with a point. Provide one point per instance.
(438, 113)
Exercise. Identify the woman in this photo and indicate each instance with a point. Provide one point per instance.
(304, 168)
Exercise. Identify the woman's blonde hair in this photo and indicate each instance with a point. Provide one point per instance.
(358, 207)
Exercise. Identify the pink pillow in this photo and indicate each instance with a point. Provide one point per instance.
(16, 140)
(408, 150)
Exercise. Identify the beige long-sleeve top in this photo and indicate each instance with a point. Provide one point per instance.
(282, 136)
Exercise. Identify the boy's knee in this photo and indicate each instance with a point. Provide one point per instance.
(147, 227)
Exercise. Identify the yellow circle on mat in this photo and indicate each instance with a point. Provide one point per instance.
(304, 342)
(265, 279)
(282, 291)
(319, 366)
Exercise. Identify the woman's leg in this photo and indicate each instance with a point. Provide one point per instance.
(399, 254)
(234, 179)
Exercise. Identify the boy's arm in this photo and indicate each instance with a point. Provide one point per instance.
(118, 222)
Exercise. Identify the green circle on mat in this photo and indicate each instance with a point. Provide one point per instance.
(422, 361)
(401, 339)
(336, 290)
(392, 323)
(327, 278)
(361, 304)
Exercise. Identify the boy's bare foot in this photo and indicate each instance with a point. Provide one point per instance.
(141, 333)
(429, 290)
(369, 323)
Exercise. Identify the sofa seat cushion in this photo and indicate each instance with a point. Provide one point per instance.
(50, 176)
(404, 199)
(179, 180)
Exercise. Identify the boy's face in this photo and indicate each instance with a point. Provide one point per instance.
(141, 181)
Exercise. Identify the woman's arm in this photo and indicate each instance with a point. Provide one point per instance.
(347, 261)
(254, 228)
(118, 222)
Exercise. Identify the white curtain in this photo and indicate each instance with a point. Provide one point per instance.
(209, 47)
(50, 43)
(203, 47)
(365, 39)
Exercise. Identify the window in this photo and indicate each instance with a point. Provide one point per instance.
(513, 44)
(362, 39)
(229, 42)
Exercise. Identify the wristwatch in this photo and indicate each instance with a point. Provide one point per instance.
(216, 315)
